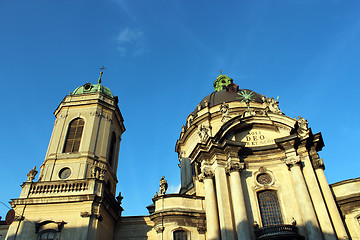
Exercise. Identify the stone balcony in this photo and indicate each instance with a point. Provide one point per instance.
(278, 232)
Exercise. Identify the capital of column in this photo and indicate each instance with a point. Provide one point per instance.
(159, 229)
(234, 167)
(318, 163)
(207, 173)
(292, 161)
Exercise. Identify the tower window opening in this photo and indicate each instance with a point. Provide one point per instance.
(269, 208)
(47, 235)
(180, 235)
(112, 149)
(73, 138)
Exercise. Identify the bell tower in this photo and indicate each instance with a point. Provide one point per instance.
(74, 196)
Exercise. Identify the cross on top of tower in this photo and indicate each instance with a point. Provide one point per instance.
(101, 73)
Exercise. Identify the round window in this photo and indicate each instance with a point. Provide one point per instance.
(264, 178)
(64, 173)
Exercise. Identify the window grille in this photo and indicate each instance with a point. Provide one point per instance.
(74, 134)
(180, 235)
(269, 208)
(47, 235)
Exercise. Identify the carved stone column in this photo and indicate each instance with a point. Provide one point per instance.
(223, 200)
(329, 199)
(237, 196)
(316, 196)
(212, 220)
(303, 197)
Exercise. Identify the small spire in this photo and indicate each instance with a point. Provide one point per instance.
(220, 71)
(101, 73)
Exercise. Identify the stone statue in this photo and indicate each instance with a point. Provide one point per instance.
(98, 171)
(203, 132)
(102, 172)
(31, 175)
(119, 198)
(224, 109)
(272, 104)
(189, 120)
(293, 222)
(163, 186)
(303, 129)
(93, 170)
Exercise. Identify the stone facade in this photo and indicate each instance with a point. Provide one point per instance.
(248, 172)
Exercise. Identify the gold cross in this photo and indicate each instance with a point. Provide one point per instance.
(102, 68)
(220, 71)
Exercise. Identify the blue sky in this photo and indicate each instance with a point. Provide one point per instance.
(161, 59)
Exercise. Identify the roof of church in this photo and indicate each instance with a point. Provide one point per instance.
(227, 91)
(92, 88)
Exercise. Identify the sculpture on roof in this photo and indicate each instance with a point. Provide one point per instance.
(31, 175)
(163, 186)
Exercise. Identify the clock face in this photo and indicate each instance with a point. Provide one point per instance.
(64, 173)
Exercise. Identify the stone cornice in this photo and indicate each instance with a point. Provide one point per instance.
(211, 148)
(198, 215)
(288, 142)
(51, 200)
(170, 195)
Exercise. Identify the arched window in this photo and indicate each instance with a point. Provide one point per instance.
(269, 208)
(112, 154)
(180, 235)
(73, 136)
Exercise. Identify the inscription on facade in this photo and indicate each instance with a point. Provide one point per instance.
(257, 138)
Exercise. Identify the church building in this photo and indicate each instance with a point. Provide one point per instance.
(248, 172)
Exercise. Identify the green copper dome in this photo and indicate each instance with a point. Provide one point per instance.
(92, 88)
(222, 82)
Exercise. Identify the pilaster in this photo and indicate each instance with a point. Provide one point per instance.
(212, 220)
(293, 162)
(234, 168)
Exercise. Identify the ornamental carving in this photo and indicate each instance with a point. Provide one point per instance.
(206, 103)
(224, 109)
(31, 175)
(98, 171)
(234, 166)
(262, 169)
(159, 229)
(292, 161)
(163, 186)
(189, 120)
(107, 117)
(204, 133)
(201, 230)
(263, 179)
(318, 163)
(85, 214)
(272, 105)
(62, 115)
(303, 129)
(207, 172)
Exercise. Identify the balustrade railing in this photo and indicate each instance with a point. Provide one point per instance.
(59, 187)
(278, 232)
